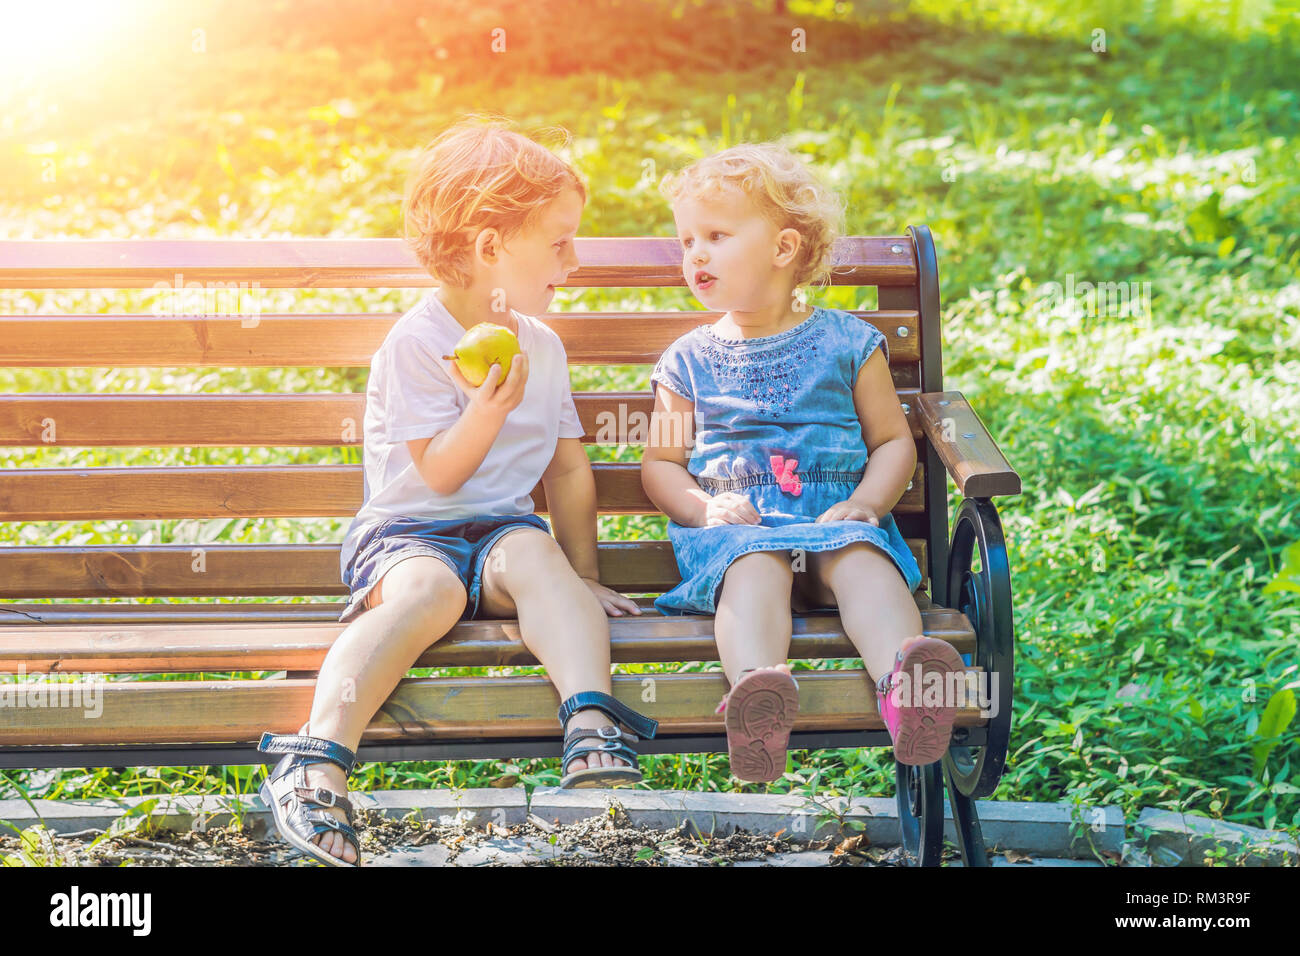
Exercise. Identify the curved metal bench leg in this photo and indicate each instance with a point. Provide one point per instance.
(984, 596)
(919, 792)
(966, 822)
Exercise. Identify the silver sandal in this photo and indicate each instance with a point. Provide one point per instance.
(286, 793)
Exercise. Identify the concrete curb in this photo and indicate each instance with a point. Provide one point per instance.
(506, 807)
(1180, 839)
(1041, 829)
(1036, 828)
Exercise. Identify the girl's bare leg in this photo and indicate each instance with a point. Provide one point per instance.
(752, 623)
(879, 615)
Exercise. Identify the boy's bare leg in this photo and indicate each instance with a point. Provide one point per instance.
(879, 615)
(527, 576)
(420, 600)
(752, 623)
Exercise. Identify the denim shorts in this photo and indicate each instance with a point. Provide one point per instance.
(461, 543)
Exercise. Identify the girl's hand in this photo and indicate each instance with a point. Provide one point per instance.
(488, 397)
(613, 602)
(730, 507)
(850, 511)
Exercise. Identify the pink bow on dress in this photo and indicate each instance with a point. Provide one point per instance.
(784, 470)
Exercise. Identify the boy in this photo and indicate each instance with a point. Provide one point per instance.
(447, 531)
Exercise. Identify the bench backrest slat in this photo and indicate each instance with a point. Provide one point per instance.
(370, 263)
(264, 420)
(260, 491)
(346, 341)
(262, 570)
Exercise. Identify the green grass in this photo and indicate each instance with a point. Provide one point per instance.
(1157, 451)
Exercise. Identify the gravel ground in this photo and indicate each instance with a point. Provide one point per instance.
(607, 840)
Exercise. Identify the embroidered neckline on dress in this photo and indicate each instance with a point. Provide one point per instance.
(763, 339)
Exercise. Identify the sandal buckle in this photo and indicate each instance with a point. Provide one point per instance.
(322, 794)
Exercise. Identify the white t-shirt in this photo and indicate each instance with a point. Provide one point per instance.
(410, 394)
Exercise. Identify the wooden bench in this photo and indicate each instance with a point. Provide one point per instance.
(197, 718)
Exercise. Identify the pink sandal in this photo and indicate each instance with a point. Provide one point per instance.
(920, 732)
(760, 711)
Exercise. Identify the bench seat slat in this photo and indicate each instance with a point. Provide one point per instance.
(269, 646)
(265, 491)
(101, 614)
(366, 263)
(239, 711)
(253, 570)
(104, 613)
(343, 340)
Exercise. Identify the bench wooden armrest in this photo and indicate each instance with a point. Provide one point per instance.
(965, 446)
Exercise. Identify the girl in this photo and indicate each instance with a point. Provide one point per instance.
(447, 530)
(787, 408)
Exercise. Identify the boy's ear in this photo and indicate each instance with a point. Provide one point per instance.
(487, 247)
(788, 242)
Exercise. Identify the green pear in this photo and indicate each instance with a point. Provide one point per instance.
(480, 347)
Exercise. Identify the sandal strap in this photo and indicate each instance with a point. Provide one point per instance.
(612, 741)
(605, 733)
(307, 746)
(321, 822)
(615, 709)
(320, 797)
(615, 748)
(289, 780)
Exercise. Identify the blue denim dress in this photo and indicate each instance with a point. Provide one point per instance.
(788, 395)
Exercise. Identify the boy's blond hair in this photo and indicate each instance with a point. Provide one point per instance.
(783, 189)
(472, 176)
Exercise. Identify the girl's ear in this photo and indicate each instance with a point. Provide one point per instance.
(788, 242)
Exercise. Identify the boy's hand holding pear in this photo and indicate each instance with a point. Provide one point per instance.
(482, 348)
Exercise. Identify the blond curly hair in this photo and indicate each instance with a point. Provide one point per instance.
(784, 189)
(476, 174)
